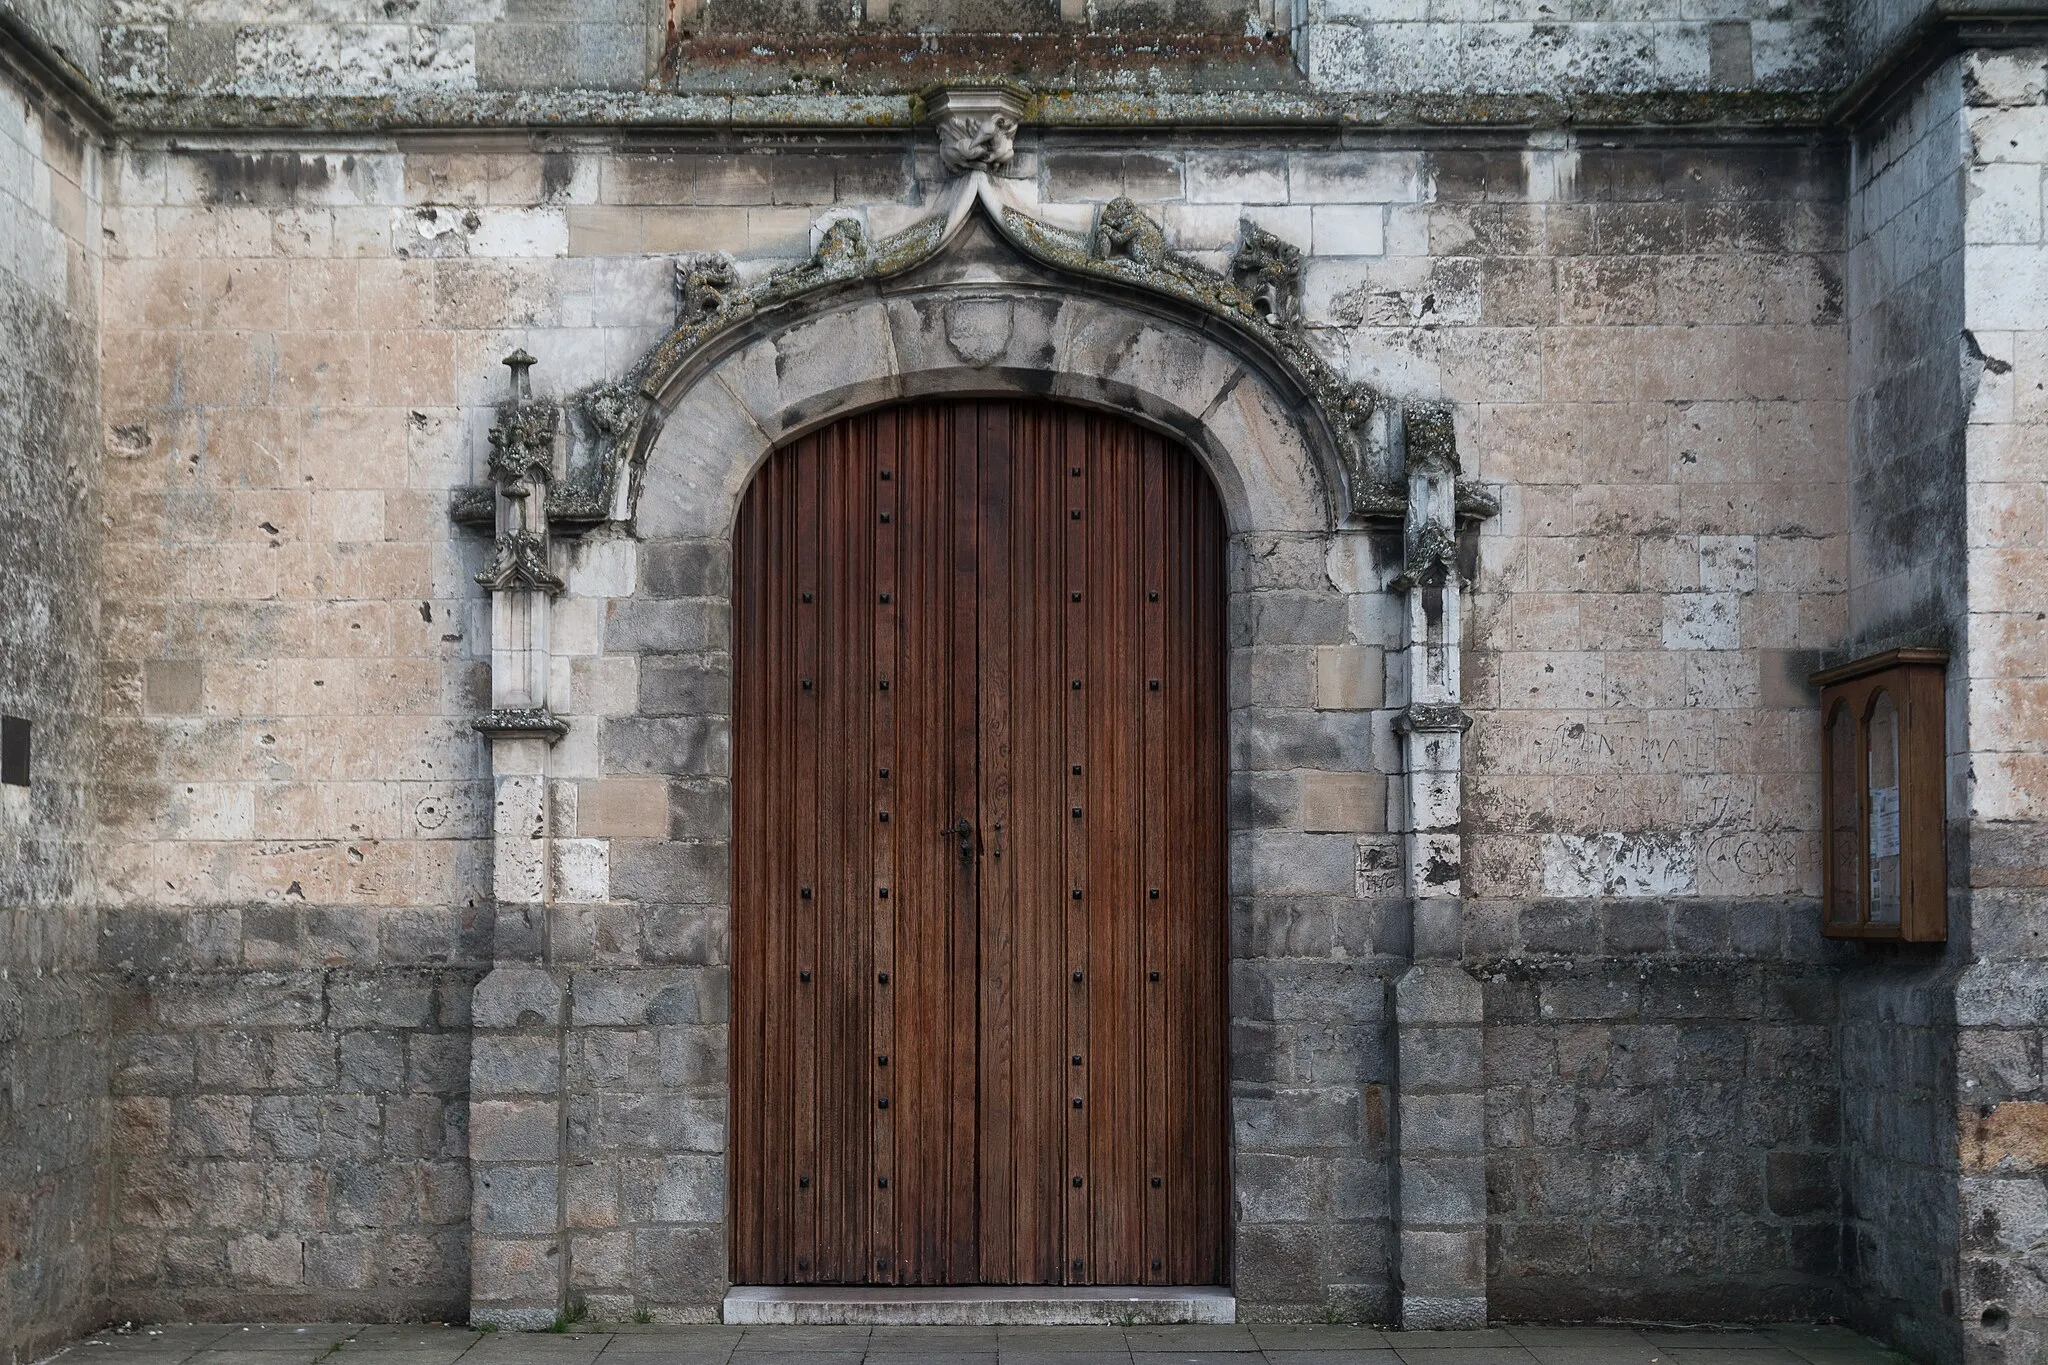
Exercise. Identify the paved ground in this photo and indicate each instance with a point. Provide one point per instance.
(331, 1344)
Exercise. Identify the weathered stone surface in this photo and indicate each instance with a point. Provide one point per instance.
(1747, 399)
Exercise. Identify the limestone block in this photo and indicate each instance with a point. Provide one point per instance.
(632, 807)
(686, 568)
(516, 1201)
(1438, 996)
(1437, 1262)
(1272, 1188)
(508, 1270)
(1281, 861)
(1010, 331)
(1262, 739)
(1349, 229)
(517, 997)
(1277, 481)
(513, 1130)
(1442, 1190)
(275, 1261)
(173, 687)
(1439, 1058)
(831, 360)
(708, 448)
(1350, 677)
(1640, 863)
(1378, 868)
(1172, 374)
(515, 1064)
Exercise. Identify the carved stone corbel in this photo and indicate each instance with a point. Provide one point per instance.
(977, 125)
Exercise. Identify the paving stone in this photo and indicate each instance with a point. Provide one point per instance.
(1190, 1337)
(932, 1338)
(1315, 1336)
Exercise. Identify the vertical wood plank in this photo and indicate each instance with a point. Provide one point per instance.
(1158, 684)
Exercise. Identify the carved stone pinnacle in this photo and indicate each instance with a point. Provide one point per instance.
(519, 362)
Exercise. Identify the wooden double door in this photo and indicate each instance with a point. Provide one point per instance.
(980, 1009)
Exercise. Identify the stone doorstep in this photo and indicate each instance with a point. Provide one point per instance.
(978, 1306)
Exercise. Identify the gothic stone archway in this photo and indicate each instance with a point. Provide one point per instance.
(600, 1106)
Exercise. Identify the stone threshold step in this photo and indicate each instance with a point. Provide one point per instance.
(977, 1306)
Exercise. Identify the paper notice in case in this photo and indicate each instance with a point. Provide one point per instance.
(1884, 822)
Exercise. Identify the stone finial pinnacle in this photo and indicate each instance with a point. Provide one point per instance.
(519, 362)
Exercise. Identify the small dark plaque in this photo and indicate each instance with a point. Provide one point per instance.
(14, 751)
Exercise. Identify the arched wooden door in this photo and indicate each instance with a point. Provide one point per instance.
(980, 1009)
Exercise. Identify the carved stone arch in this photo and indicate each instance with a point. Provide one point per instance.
(1099, 313)
(981, 319)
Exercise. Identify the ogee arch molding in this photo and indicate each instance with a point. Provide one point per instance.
(979, 321)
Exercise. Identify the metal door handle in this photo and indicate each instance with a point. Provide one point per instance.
(965, 831)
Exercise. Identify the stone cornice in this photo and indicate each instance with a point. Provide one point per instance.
(524, 723)
(1079, 110)
(1948, 28)
(35, 63)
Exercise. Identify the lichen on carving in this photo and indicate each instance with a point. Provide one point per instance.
(703, 283)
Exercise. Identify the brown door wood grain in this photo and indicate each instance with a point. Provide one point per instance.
(979, 873)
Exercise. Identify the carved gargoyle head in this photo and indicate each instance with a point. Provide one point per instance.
(703, 284)
(1268, 270)
(1123, 232)
(977, 142)
(977, 125)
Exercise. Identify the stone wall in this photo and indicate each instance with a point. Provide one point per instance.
(1645, 341)
(1998, 800)
(53, 1014)
(68, 30)
(1643, 346)
(1529, 56)
(297, 898)
(1907, 533)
